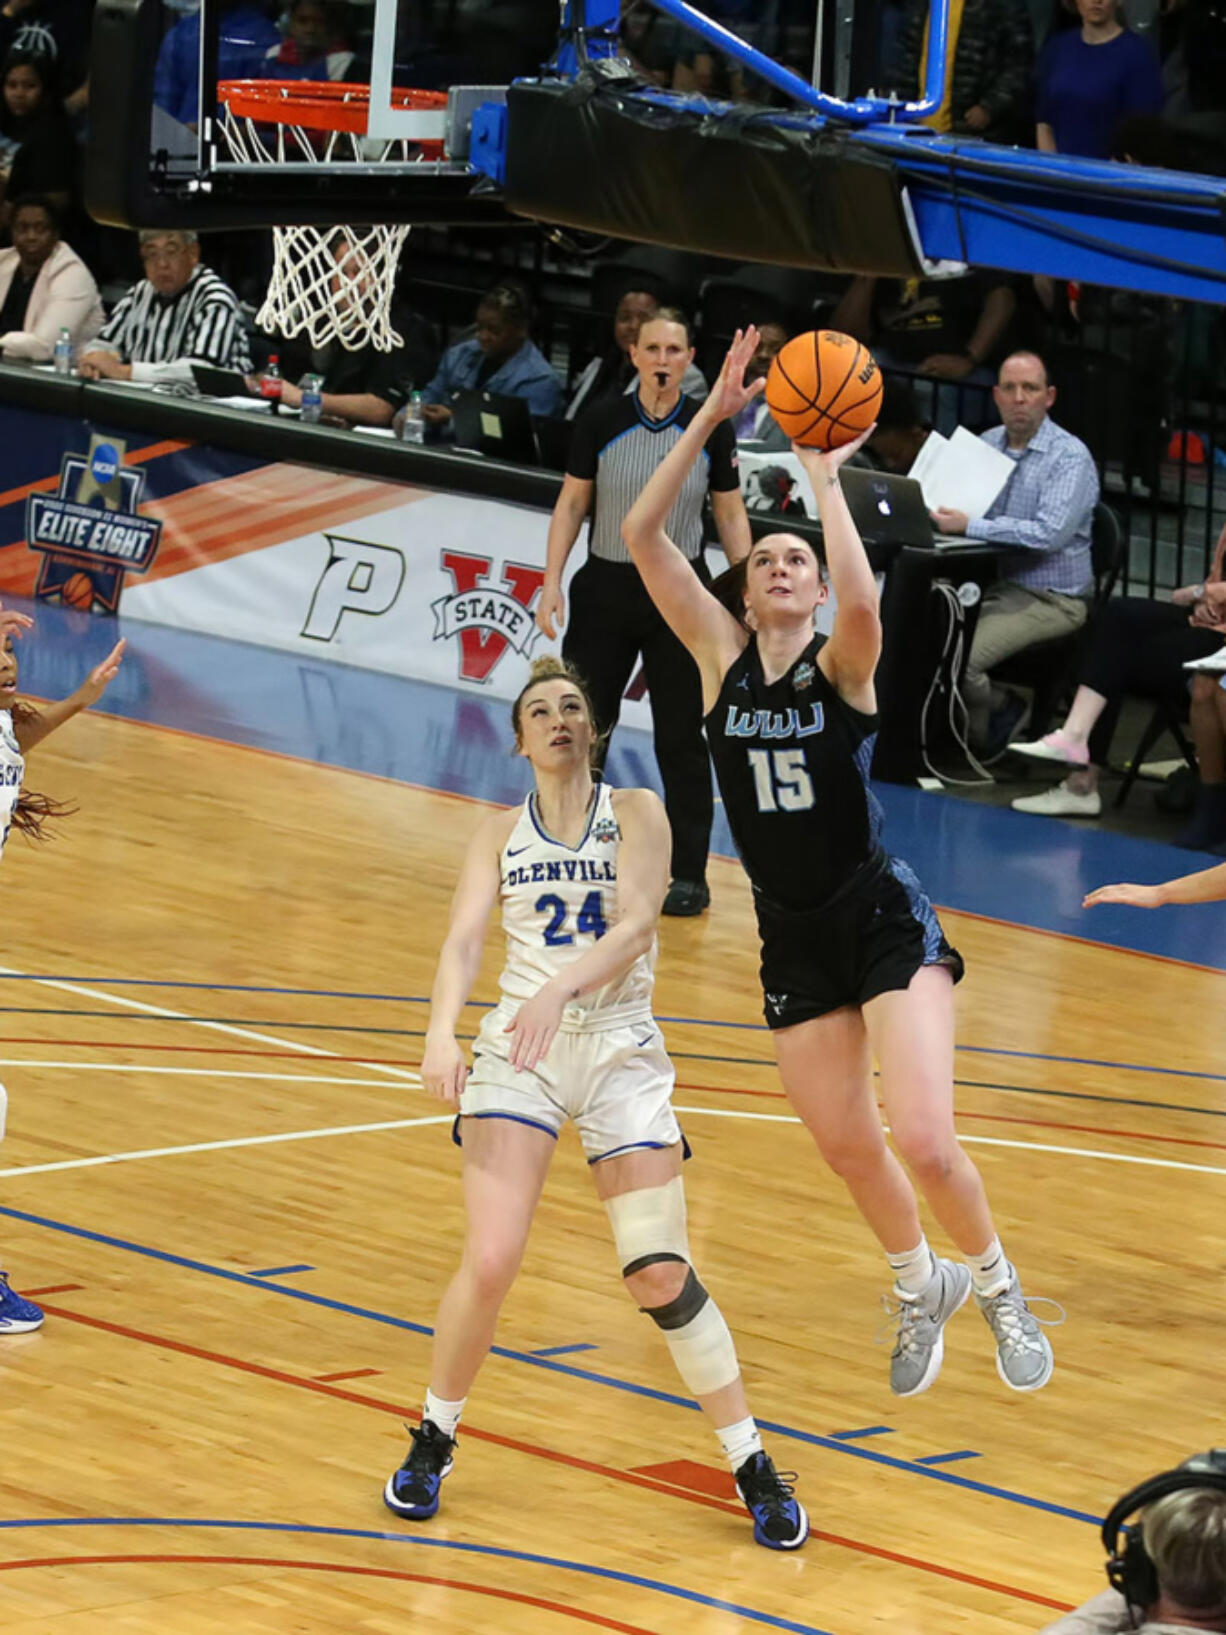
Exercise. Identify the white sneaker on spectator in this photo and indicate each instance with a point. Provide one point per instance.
(1055, 746)
(1060, 802)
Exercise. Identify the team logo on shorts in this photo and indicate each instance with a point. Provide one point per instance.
(803, 677)
(606, 829)
(778, 1002)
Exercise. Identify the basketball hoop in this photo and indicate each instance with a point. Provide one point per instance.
(329, 283)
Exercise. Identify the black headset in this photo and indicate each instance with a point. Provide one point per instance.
(1129, 1567)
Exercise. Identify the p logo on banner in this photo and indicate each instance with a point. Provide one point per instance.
(487, 621)
(359, 578)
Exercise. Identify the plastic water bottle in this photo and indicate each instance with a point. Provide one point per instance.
(270, 382)
(414, 427)
(63, 352)
(312, 398)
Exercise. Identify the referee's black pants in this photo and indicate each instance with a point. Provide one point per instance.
(612, 620)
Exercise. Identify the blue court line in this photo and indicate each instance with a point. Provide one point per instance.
(563, 1350)
(485, 1004)
(414, 1541)
(869, 1430)
(282, 1271)
(946, 1458)
(812, 1439)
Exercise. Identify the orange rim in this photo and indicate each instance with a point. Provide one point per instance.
(316, 105)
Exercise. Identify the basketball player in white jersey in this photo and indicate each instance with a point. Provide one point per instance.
(22, 726)
(580, 871)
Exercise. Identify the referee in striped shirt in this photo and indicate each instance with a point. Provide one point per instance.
(180, 313)
(614, 451)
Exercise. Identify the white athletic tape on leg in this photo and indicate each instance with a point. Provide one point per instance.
(703, 1351)
(4, 1108)
(649, 1221)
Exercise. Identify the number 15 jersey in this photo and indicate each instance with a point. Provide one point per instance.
(556, 901)
(792, 763)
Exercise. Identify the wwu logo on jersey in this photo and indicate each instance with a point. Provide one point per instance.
(775, 724)
(485, 619)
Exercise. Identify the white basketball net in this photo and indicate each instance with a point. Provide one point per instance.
(328, 283)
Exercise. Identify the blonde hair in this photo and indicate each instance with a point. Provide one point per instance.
(1185, 1537)
(549, 667)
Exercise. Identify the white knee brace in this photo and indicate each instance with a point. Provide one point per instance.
(649, 1226)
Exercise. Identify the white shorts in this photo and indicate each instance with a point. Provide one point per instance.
(616, 1084)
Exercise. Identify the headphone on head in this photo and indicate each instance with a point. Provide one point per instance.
(1129, 1567)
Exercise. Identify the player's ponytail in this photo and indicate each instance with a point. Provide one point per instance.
(33, 812)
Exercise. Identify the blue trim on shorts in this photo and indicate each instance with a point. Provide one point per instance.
(921, 908)
(515, 1118)
(687, 1151)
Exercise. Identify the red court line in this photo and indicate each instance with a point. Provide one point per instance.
(56, 1288)
(349, 1374)
(278, 1564)
(536, 1451)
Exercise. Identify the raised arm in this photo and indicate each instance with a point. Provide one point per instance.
(642, 879)
(849, 658)
(36, 721)
(706, 628)
(1205, 886)
(443, 1068)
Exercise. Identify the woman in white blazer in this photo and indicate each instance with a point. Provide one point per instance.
(44, 287)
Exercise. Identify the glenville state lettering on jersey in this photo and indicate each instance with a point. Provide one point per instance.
(792, 761)
(12, 770)
(556, 901)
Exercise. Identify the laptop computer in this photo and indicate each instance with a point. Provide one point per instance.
(212, 382)
(495, 425)
(889, 510)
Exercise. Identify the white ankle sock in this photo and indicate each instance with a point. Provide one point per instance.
(739, 1442)
(446, 1415)
(990, 1271)
(914, 1268)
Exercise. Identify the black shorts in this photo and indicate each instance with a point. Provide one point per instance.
(871, 939)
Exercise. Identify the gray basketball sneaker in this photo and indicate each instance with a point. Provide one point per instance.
(920, 1344)
(1023, 1352)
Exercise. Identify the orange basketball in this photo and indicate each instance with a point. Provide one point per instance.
(78, 591)
(824, 389)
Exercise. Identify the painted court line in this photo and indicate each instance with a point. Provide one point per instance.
(550, 1365)
(181, 1016)
(983, 1141)
(416, 1541)
(197, 1072)
(221, 1146)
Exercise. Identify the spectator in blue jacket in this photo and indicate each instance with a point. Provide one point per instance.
(498, 358)
(247, 38)
(1090, 78)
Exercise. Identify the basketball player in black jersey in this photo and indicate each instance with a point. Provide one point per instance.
(854, 963)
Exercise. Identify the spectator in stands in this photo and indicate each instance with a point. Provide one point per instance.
(1044, 513)
(949, 332)
(901, 430)
(316, 44)
(613, 373)
(44, 287)
(1141, 645)
(649, 40)
(246, 39)
(180, 313)
(37, 150)
(57, 31)
(615, 448)
(755, 423)
(1090, 78)
(989, 59)
(500, 357)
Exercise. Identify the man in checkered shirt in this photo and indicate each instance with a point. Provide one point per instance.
(1045, 509)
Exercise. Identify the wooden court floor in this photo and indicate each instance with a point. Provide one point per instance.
(239, 1210)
